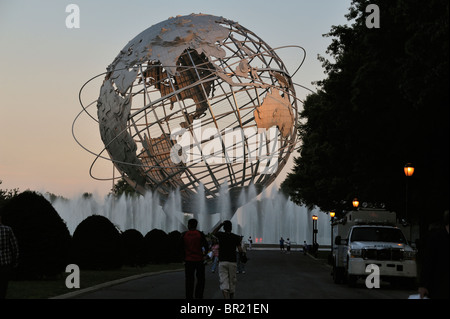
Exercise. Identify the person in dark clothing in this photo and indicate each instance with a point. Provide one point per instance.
(9, 255)
(282, 244)
(228, 243)
(195, 247)
(434, 276)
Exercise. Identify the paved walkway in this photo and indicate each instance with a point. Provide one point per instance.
(270, 274)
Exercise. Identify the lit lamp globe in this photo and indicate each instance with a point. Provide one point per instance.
(409, 170)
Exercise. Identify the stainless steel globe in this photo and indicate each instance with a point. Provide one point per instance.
(198, 102)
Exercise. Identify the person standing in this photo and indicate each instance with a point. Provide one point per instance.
(195, 247)
(9, 256)
(282, 244)
(288, 246)
(228, 243)
(215, 254)
(250, 242)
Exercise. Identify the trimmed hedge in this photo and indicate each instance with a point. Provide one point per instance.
(175, 247)
(156, 246)
(134, 248)
(97, 244)
(43, 237)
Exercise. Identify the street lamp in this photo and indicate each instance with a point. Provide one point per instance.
(409, 171)
(314, 243)
(355, 203)
(332, 214)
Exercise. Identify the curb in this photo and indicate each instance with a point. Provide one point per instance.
(111, 283)
(322, 261)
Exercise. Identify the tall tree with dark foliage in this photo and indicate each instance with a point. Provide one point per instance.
(384, 103)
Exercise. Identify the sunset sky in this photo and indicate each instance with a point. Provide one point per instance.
(44, 64)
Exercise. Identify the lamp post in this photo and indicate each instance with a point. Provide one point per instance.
(332, 214)
(314, 243)
(409, 171)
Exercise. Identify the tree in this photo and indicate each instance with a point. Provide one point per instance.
(122, 187)
(383, 103)
(53, 197)
(6, 194)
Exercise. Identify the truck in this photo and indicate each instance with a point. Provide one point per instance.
(371, 237)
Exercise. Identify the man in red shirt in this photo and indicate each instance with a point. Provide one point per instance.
(195, 248)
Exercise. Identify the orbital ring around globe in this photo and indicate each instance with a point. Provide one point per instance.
(98, 154)
(196, 102)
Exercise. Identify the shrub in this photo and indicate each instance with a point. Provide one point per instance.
(97, 244)
(134, 248)
(43, 237)
(175, 247)
(156, 246)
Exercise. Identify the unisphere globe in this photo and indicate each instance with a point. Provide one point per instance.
(198, 104)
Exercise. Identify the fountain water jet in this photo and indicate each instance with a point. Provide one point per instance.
(267, 217)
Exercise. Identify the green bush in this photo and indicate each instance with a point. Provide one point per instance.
(175, 247)
(43, 237)
(134, 248)
(157, 246)
(97, 244)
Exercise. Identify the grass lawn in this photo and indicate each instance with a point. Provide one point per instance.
(43, 289)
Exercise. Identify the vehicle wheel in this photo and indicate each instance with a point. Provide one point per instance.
(350, 279)
(338, 275)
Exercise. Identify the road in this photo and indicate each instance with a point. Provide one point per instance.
(270, 274)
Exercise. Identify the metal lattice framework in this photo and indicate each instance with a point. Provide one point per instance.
(192, 102)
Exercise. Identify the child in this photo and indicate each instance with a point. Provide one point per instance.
(215, 251)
